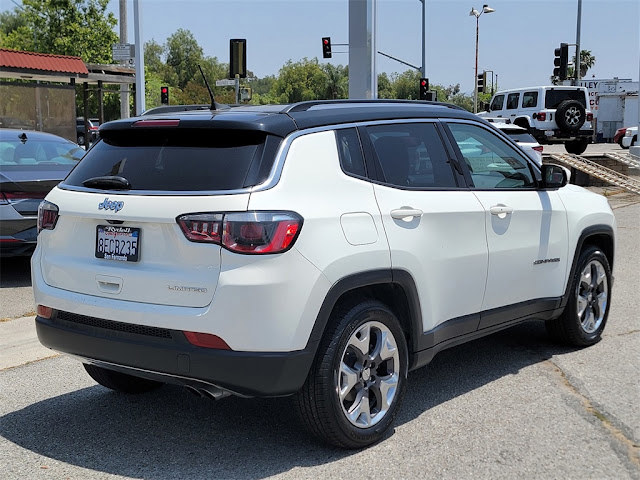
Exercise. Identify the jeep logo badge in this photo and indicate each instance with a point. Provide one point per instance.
(109, 205)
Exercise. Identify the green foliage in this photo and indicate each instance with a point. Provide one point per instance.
(587, 60)
(80, 28)
(183, 55)
(300, 81)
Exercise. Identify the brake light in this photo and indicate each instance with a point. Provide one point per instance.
(157, 123)
(589, 117)
(47, 216)
(538, 148)
(247, 232)
(541, 116)
(202, 227)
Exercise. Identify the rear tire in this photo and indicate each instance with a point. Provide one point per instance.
(585, 316)
(120, 382)
(357, 381)
(576, 147)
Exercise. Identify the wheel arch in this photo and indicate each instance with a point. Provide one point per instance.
(523, 121)
(600, 236)
(394, 288)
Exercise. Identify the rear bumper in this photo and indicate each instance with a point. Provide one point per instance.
(560, 136)
(167, 356)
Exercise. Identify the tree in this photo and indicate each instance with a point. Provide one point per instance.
(586, 62)
(336, 82)
(299, 81)
(183, 55)
(81, 28)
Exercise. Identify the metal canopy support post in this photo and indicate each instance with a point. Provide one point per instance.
(101, 101)
(140, 92)
(363, 81)
(85, 100)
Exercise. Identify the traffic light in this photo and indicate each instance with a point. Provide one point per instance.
(424, 89)
(326, 47)
(482, 81)
(238, 57)
(164, 95)
(561, 61)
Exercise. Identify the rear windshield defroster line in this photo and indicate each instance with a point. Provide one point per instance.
(179, 159)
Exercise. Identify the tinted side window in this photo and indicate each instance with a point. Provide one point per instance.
(512, 101)
(497, 102)
(529, 99)
(492, 162)
(350, 152)
(411, 155)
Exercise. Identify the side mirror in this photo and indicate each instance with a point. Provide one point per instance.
(487, 108)
(553, 176)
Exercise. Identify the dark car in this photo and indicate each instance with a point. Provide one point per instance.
(31, 164)
(80, 131)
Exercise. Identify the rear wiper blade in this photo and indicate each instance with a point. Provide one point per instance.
(109, 182)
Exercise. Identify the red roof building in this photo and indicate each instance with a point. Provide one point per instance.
(32, 65)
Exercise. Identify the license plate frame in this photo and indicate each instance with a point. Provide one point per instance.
(118, 243)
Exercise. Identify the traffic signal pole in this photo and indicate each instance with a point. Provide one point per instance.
(577, 67)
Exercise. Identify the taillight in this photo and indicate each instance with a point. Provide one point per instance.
(538, 148)
(589, 117)
(541, 116)
(247, 232)
(47, 216)
(202, 227)
(11, 197)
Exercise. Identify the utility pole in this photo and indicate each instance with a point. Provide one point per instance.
(577, 65)
(140, 92)
(124, 88)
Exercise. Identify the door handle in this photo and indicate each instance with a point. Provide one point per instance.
(500, 210)
(405, 212)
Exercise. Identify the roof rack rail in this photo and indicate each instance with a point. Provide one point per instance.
(304, 106)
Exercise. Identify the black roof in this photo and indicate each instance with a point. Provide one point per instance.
(282, 120)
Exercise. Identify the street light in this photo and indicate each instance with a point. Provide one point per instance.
(476, 13)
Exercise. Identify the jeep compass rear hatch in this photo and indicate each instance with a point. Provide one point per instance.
(138, 218)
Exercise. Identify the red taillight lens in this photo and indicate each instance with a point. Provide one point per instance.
(541, 116)
(206, 340)
(260, 232)
(247, 232)
(10, 197)
(47, 216)
(589, 117)
(539, 148)
(202, 227)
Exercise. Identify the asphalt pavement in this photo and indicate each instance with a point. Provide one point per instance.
(512, 405)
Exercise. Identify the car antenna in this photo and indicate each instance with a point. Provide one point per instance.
(213, 100)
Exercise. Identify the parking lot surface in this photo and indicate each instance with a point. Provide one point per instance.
(506, 406)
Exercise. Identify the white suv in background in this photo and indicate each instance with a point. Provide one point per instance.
(552, 114)
(319, 249)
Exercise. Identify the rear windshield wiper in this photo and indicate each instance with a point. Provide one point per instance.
(108, 182)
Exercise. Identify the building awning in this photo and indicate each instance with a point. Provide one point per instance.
(59, 68)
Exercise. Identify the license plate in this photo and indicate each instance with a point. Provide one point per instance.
(118, 243)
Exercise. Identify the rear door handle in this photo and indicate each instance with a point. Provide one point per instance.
(500, 210)
(405, 212)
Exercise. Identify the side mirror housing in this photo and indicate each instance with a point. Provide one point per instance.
(553, 176)
(487, 107)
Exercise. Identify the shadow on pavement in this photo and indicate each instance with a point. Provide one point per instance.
(15, 272)
(172, 434)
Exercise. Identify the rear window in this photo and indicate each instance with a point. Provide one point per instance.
(553, 98)
(520, 137)
(180, 159)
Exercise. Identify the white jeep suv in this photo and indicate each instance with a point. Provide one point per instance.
(552, 114)
(320, 249)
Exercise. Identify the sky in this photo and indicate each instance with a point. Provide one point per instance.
(516, 42)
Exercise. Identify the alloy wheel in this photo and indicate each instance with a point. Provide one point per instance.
(592, 296)
(368, 375)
